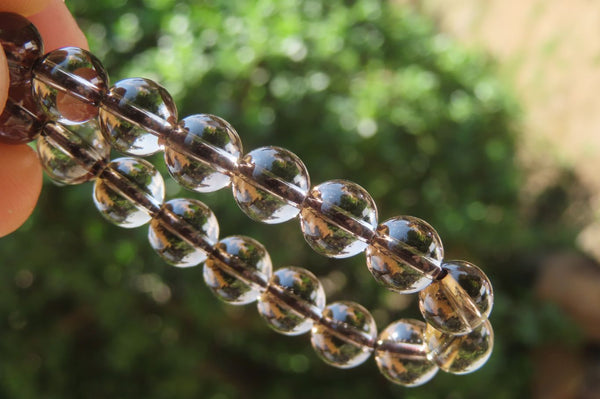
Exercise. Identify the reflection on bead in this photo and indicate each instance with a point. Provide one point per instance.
(224, 284)
(126, 189)
(330, 337)
(21, 120)
(460, 301)
(173, 248)
(338, 218)
(202, 151)
(74, 154)
(270, 185)
(405, 254)
(293, 299)
(460, 354)
(402, 353)
(69, 84)
(134, 113)
(22, 45)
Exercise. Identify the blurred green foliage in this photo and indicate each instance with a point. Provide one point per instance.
(363, 90)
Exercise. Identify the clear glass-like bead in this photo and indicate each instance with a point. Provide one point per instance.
(405, 254)
(129, 191)
(293, 299)
(133, 115)
(338, 218)
(252, 256)
(174, 249)
(460, 301)
(22, 45)
(74, 154)
(21, 120)
(69, 84)
(201, 152)
(332, 337)
(270, 184)
(402, 353)
(460, 354)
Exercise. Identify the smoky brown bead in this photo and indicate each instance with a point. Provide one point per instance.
(21, 120)
(22, 45)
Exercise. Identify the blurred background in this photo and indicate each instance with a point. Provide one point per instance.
(479, 117)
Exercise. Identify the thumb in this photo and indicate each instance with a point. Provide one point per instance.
(20, 185)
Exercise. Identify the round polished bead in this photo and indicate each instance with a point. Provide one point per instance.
(128, 191)
(73, 154)
(21, 120)
(133, 115)
(460, 301)
(338, 218)
(251, 256)
(342, 337)
(405, 254)
(202, 151)
(461, 354)
(293, 299)
(270, 185)
(173, 248)
(69, 84)
(402, 353)
(22, 45)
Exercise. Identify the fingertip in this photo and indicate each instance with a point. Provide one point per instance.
(58, 27)
(24, 7)
(20, 185)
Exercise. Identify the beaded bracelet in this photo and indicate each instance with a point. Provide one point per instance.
(60, 96)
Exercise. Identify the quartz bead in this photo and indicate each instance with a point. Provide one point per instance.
(402, 353)
(69, 84)
(460, 301)
(202, 151)
(338, 218)
(254, 260)
(405, 254)
(129, 192)
(170, 245)
(22, 45)
(21, 120)
(133, 115)
(293, 299)
(344, 336)
(270, 185)
(74, 154)
(461, 354)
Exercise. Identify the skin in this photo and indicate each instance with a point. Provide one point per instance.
(20, 170)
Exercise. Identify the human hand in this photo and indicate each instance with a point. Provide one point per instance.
(20, 170)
